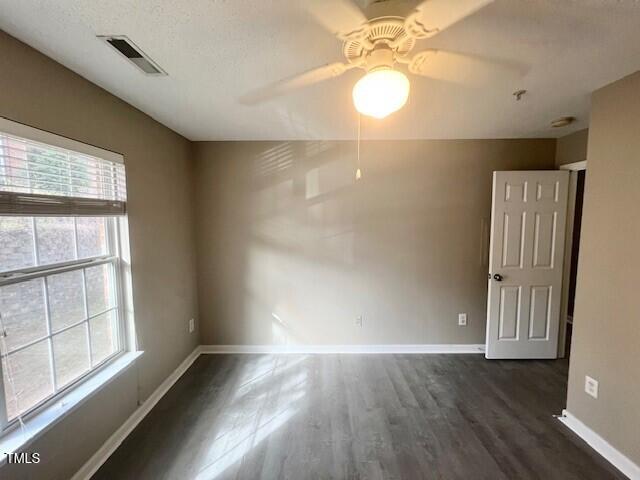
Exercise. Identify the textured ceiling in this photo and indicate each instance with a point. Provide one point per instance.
(216, 51)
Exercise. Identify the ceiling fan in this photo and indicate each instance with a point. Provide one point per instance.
(383, 36)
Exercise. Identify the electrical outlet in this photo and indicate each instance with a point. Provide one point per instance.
(192, 325)
(591, 386)
(359, 321)
(462, 319)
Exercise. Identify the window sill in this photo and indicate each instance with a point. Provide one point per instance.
(34, 427)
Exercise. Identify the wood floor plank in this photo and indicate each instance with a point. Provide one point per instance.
(359, 417)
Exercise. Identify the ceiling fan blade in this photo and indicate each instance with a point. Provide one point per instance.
(295, 82)
(468, 70)
(343, 18)
(433, 16)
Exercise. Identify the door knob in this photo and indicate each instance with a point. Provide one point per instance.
(497, 277)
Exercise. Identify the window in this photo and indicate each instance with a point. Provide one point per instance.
(61, 314)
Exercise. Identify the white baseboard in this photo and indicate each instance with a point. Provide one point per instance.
(600, 445)
(95, 462)
(400, 348)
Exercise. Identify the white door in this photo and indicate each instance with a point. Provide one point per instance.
(525, 263)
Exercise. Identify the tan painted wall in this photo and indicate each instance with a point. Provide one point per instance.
(572, 148)
(38, 91)
(291, 249)
(606, 335)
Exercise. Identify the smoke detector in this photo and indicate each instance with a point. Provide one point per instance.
(562, 122)
(133, 53)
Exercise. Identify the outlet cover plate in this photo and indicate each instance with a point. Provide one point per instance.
(591, 386)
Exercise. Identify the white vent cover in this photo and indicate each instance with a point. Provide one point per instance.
(133, 53)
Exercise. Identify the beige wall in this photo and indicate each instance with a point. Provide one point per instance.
(606, 335)
(39, 92)
(572, 148)
(292, 250)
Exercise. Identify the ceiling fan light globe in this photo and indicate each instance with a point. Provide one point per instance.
(381, 92)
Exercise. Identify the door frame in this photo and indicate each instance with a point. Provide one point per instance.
(568, 250)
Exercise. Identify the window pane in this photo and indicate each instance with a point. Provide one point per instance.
(48, 170)
(71, 354)
(104, 340)
(56, 239)
(27, 378)
(16, 238)
(92, 236)
(23, 313)
(66, 299)
(32, 167)
(100, 294)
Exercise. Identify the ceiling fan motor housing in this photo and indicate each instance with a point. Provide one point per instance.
(384, 40)
(382, 56)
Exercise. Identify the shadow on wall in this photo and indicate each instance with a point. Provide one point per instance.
(303, 227)
(294, 249)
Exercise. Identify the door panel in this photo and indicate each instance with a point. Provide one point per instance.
(509, 313)
(540, 313)
(512, 242)
(544, 240)
(527, 247)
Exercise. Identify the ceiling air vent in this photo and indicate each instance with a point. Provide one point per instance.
(129, 49)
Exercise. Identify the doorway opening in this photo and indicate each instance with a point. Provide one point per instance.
(578, 173)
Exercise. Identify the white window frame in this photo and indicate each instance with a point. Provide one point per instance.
(13, 277)
(117, 256)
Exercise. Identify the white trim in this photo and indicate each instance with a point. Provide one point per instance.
(582, 165)
(600, 445)
(113, 442)
(42, 136)
(40, 423)
(400, 348)
(566, 268)
(568, 253)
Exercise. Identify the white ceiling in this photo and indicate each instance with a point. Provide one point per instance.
(215, 51)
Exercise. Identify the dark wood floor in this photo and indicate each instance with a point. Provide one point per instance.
(359, 417)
